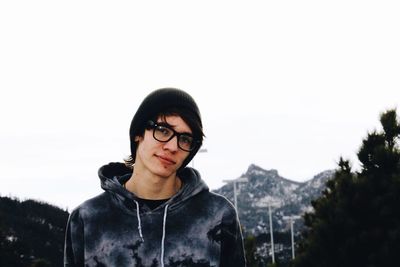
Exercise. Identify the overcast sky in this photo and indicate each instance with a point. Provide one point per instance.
(286, 85)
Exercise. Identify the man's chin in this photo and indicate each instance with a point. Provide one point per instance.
(165, 172)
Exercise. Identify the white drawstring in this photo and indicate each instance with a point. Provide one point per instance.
(163, 236)
(139, 222)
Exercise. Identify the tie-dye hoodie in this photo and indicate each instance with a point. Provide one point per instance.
(194, 228)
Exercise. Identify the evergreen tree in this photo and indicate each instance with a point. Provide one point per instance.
(250, 247)
(40, 263)
(356, 221)
(31, 233)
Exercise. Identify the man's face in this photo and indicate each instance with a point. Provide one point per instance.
(161, 158)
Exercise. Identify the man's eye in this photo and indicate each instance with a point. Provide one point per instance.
(164, 130)
(186, 139)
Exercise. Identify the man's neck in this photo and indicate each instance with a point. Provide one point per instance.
(148, 186)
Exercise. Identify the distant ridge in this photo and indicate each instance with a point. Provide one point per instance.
(287, 197)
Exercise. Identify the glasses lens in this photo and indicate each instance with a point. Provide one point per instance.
(162, 133)
(185, 142)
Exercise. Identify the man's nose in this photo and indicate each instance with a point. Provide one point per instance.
(172, 144)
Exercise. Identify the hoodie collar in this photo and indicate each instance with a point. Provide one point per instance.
(114, 174)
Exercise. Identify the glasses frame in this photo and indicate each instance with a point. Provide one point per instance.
(153, 125)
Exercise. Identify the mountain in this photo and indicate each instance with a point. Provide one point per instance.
(31, 233)
(266, 187)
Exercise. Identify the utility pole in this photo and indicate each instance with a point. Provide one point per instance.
(271, 233)
(291, 230)
(291, 221)
(271, 228)
(235, 193)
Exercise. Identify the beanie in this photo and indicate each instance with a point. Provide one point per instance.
(157, 102)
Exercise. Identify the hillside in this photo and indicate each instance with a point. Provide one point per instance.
(31, 233)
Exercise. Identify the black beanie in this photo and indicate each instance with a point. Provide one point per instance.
(157, 102)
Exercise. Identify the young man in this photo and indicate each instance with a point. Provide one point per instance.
(155, 211)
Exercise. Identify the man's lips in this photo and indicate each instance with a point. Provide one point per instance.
(166, 159)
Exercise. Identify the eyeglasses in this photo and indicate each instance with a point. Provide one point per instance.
(164, 133)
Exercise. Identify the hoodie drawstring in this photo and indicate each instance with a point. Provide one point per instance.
(163, 235)
(139, 222)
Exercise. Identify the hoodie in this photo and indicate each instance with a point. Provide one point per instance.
(195, 227)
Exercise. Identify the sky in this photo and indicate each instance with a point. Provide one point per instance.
(285, 85)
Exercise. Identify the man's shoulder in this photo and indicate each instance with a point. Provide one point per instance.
(98, 202)
(218, 200)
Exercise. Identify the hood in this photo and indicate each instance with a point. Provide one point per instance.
(114, 174)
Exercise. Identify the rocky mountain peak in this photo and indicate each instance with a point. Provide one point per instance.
(266, 188)
(255, 170)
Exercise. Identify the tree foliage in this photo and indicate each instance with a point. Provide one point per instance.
(250, 247)
(356, 221)
(31, 233)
